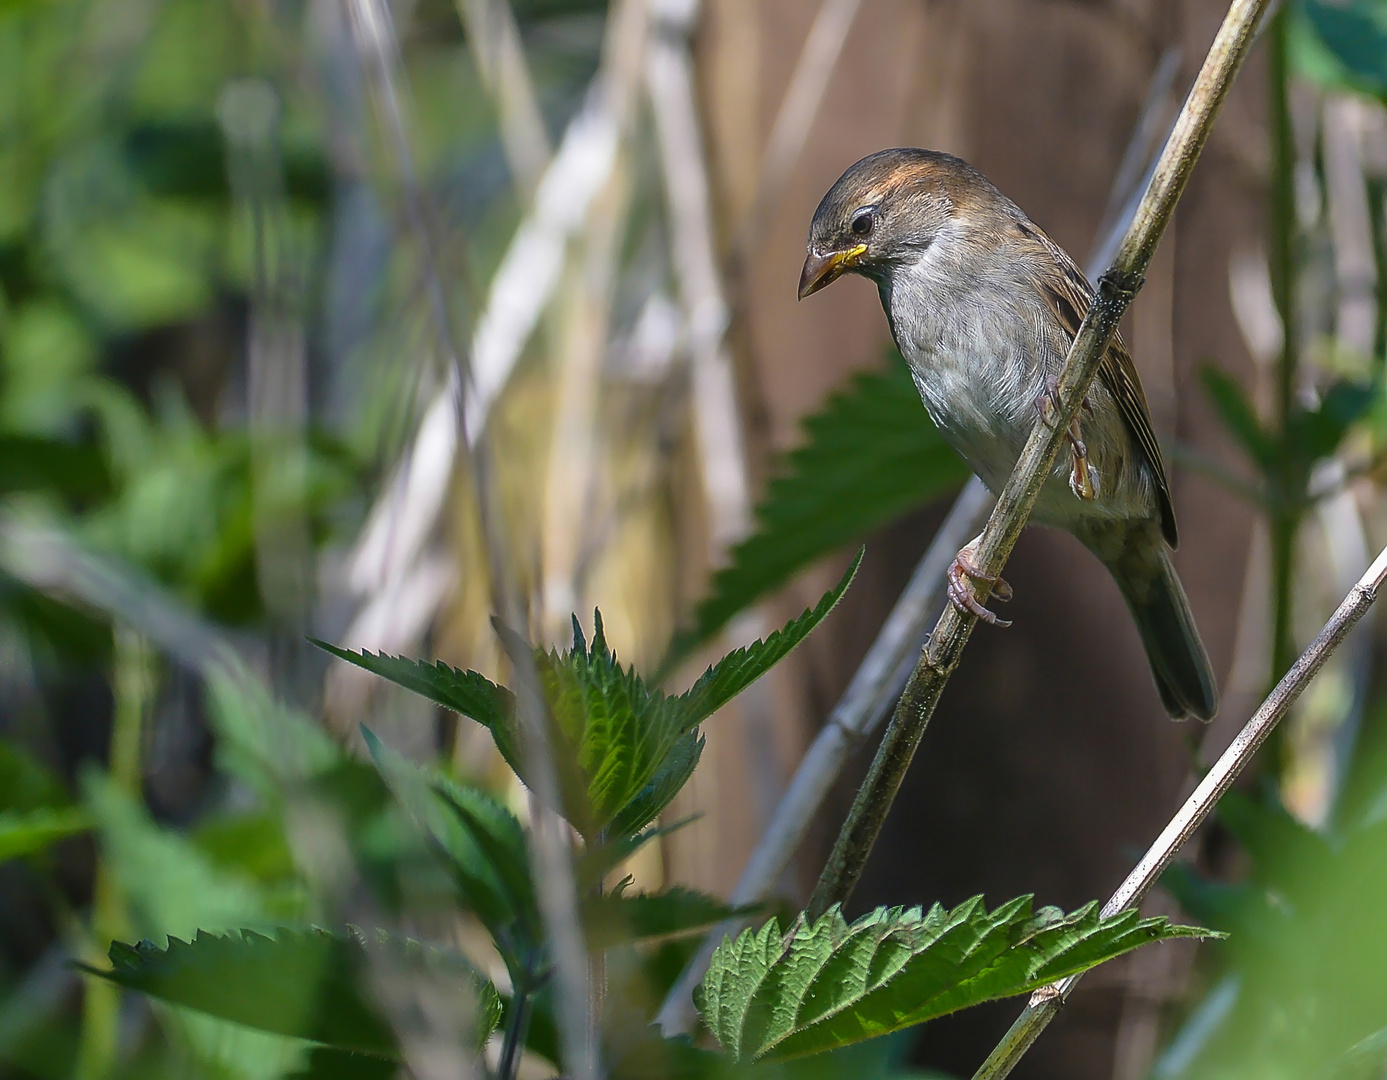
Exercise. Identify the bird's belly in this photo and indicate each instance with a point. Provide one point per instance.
(985, 410)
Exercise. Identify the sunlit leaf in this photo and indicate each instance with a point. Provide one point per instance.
(833, 984)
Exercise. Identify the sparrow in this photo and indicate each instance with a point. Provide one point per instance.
(984, 307)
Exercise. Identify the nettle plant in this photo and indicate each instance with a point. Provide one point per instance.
(622, 751)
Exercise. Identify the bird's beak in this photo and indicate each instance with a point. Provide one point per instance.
(821, 269)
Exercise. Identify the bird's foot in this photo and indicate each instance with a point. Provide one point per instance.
(962, 572)
(1083, 478)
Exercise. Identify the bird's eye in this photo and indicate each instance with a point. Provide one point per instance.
(863, 220)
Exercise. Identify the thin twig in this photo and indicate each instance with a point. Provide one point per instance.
(1045, 1003)
(1115, 291)
(874, 686)
(669, 79)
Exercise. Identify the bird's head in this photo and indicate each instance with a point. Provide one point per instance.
(887, 210)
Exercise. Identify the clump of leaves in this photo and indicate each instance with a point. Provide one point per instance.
(623, 749)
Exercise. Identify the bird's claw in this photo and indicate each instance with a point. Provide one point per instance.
(961, 594)
(1083, 478)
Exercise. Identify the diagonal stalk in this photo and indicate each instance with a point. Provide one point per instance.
(1116, 288)
(517, 1025)
(1045, 1003)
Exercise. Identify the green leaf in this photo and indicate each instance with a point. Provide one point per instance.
(1316, 433)
(668, 781)
(622, 731)
(484, 847)
(464, 692)
(32, 832)
(616, 917)
(870, 455)
(1238, 415)
(1355, 34)
(622, 750)
(303, 984)
(739, 669)
(25, 784)
(35, 462)
(833, 984)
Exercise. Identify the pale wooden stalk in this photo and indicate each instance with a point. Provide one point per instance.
(1115, 291)
(818, 58)
(1045, 1003)
(389, 559)
(497, 51)
(722, 455)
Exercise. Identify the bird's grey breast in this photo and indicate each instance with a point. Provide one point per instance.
(978, 352)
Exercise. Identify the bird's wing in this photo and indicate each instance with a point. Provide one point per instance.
(1070, 295)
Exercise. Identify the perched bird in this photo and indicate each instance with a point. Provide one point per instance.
(984, 306)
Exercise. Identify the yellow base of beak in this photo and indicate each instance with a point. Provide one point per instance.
(820, 270)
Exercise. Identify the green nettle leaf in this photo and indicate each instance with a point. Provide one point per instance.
(465, 692)
(623, 750)
(833, 984)
(623, 731)
(617, 917)
(742, 667)
(483, 846)
(31, 832)
(304, 984)
(668, 781)
(869, 456)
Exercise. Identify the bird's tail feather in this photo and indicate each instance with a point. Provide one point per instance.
(1158, 603)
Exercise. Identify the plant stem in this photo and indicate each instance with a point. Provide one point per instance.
(1045, 1003)
(97, 1042)
(1115, 291)
(517, 1024)
(1288, 485)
